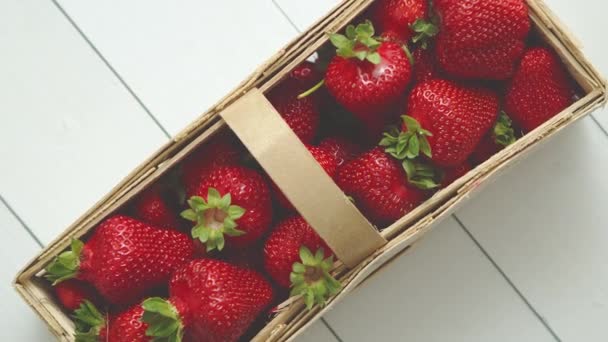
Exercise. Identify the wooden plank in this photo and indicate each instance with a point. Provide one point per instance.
(443, 290)
(17, 321)
(70, 131)
(544, 223)
(180, 58)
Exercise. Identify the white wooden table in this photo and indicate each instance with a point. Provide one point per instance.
(88, 89)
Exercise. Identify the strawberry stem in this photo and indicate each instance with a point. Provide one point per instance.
(406, 146)
(310, 278)
(311, 90)
(503, 132)
(214, 218)
(89, 322)
(163, 319)
(425, 30)
(66, 265)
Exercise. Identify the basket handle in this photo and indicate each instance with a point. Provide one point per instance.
(311, 191)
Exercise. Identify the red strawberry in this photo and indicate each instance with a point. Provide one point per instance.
(289, 261)
(328, 162)
(72, 293)
(456, 116)
(301, 114)
(343, 149)
(539, 90)
(152, 208)
(124, 259)
(378, 184)
(453, 174)
(230, 197)
(367, 77)
(481, 39)
(92, 325)
(501, 136)
(219, 151)
(210, 301)
(399, 16)
(425, 65)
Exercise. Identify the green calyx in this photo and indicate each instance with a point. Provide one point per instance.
(425, 30)
(164, 323)
(310, 278)
(359, 42)
(214, 218)
(89, 322)
(66, 265)
(407, 146)
(503, 133)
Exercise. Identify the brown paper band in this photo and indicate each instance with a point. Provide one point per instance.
(311, 191)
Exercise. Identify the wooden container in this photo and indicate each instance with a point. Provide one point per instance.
(360, 247)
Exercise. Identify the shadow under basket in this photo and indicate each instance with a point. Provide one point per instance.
(360, 248)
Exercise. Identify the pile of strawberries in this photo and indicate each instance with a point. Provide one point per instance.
(407, 101)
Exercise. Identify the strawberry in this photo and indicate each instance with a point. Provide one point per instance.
(539, 90)
(72, 293)
(453, 174)
(501, 136)
(378, 184)
(368, 77)
(289, 261)
(457, 118)
(222, 150)
(124, 259)
(328, 162)
(151, 207)
(230, 197)
(401, 17)
(92, 325)
(425, 65)
(301, 114)
(209, 300)
(481, 39)
(343, 149)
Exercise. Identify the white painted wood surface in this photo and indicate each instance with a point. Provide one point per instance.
(445, 289)
(17, 321)
(182, 57)
(70, 131)
(78, 112)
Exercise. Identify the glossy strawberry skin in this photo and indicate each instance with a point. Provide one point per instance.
(125, 258)
(222, 150)
(457, 116)
(481, 38)
(378, 184)
(328, 162)
(398, 15)
(343, 149)
(72, 293)
(302, 115)
(248, 190)
(370, 90)
(218, 301)
(126, 327)
(539, 90)
(152, 208)
(282, 247)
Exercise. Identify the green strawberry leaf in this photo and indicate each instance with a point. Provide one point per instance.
(66, 265)
(163, 319)
(311, 278)
(503, 132)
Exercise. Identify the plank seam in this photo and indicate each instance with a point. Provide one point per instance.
(602, 128)
(111, 68)
(508, 280)
(23, 224)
